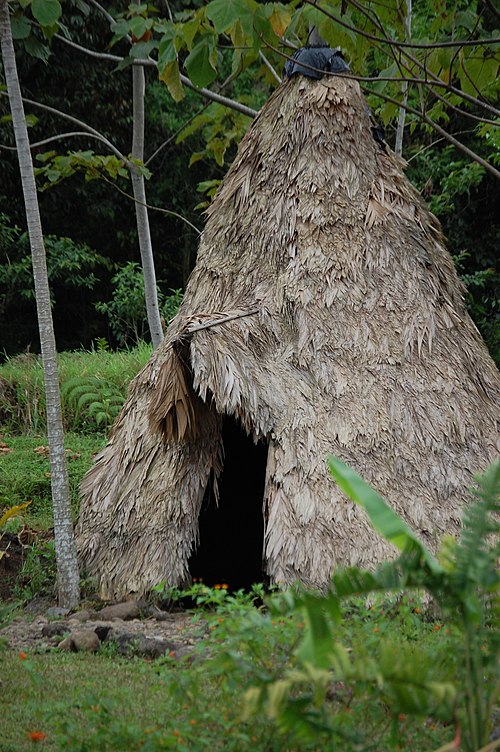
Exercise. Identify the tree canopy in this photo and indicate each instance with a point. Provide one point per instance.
(429, 71)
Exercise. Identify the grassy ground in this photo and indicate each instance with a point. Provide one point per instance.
(25, 473)
(102, 703)
(104, 373)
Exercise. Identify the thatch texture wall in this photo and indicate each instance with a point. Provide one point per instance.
(355, 341)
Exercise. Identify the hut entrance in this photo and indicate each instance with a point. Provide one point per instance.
(232, 532)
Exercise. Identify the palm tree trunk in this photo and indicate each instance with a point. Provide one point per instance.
(67, 567)
(143, 231)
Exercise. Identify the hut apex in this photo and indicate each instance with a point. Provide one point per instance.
(324, 315)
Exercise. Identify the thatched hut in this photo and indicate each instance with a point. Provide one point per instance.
(324, 315)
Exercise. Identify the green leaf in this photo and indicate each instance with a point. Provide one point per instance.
(199, 63)
(46, 12)
(139, 26)
(225, 13)
(21, 27)
(167, 49)
(36, 48)
(317, 644)
(383, 519)
(142, 50)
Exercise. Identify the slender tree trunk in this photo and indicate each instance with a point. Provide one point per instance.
(67, 567)
(398, 146)
(143, 231)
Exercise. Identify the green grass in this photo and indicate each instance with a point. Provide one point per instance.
(22, 399)
(25, 474)
(104, 703)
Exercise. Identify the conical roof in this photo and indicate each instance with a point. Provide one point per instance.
(326, 315)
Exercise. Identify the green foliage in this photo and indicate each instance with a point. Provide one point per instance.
(22, 397)
(38, 575)
(465, 584)
(126, 311)
(94, 400)
(92, 166)
(71, 264)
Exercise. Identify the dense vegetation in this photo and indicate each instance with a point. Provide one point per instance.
(90, 226)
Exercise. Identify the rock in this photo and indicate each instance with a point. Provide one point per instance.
(82, 641)
(53, 628)
(83, 615)
(133, 643)
(55, 612)
(38, 605)
(86, 640)
(126, 611)
(66, 644)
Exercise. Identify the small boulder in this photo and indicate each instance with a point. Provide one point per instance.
(53, 628)
(133, 643)
(55, 612)
(82, 641)
(83, 615)
(127, 610)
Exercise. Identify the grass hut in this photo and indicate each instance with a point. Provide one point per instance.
(324, 315)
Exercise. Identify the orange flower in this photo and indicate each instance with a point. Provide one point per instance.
(224, 586)
(376, 629)
(36, 736)
(402, 717)
(23, 655)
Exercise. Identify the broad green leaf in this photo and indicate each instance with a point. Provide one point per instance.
(21, 27)
(383, 519)
(168, 48)
(317, 644)
(141, 50)
(139, 26)
(190, 30)
(46, 12)
(199, 63)
(225, 13)
(36, 48)
(171, 77)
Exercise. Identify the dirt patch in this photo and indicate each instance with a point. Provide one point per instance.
(140, 629)
(12, 558)
(174, 634)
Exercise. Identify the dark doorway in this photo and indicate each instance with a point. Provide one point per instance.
(232, 532)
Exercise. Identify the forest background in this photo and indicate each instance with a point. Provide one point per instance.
(237, 48)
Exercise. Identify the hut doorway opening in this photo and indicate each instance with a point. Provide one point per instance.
(231, 533)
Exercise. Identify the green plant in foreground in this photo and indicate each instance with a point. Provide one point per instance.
(462, 580)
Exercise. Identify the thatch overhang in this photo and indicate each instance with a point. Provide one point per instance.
(325, 315)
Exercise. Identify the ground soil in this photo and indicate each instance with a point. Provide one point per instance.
(25, 632)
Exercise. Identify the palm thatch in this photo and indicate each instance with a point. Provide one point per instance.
(325, 315)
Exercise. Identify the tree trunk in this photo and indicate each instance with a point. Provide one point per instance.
(67, 567)
(143, 231)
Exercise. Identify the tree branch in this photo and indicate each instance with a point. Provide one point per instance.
(87, 128)
(150, 63)
(153, 208)
(58, 137)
